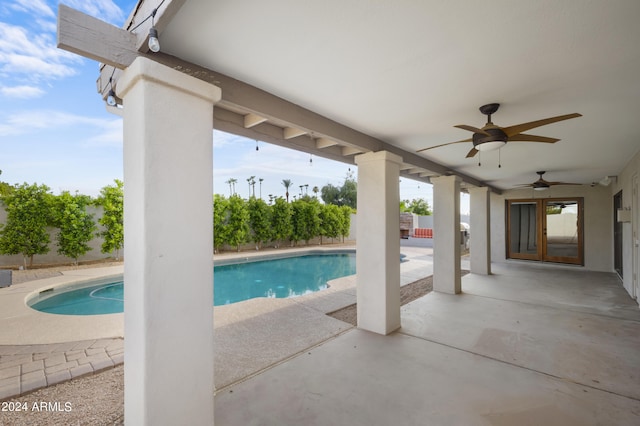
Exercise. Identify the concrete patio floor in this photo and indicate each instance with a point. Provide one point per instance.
(529, 345)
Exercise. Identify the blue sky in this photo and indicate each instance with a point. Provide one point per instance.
(55, 130)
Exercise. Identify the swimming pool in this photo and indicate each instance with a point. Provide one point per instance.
(274, 278)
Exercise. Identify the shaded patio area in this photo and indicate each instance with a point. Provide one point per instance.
(527, 345)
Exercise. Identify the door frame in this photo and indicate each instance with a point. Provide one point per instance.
(541, 230)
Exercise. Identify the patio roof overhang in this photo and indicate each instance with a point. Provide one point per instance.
(426, 66)
(244, 109)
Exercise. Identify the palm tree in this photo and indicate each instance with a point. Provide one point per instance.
(315, 191)
(287, 183)
(252, 182)
(261, 179)
(229, 182)
(232, 182)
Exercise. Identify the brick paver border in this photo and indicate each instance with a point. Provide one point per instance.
(26, 368)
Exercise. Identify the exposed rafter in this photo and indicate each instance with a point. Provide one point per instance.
(350, 150)
(324, 143)
(251, 120)
(292, 132)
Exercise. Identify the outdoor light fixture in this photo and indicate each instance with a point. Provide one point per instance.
(154, 43)
(111, 98)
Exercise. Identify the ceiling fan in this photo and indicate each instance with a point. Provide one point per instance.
(492, 137)
(542, 184)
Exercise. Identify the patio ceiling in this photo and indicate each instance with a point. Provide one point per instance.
(402, 74)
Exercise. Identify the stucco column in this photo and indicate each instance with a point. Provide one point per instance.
(446, 234)
(480, 242)
(378, 242)
(168, 273)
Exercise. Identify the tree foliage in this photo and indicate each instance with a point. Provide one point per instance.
(281, 226)
(112, 201)
(345, 195)
(5, 188)
(331, 220)
(237, 222)
(305, 220)
(259, 221)
(220, 215)
(76, 226)
(28, 210)
(418, 206)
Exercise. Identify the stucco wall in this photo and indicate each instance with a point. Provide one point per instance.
(598, 222)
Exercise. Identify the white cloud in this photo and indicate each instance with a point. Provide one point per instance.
(110, 134)
(28, 52)
(21, 92)
(30, 121)
(106, 10)
(33, 55)
(37, 7)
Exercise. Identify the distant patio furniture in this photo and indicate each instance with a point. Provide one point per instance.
(5, 278)
(423, 233)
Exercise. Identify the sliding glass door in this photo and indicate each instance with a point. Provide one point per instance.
(545, 229)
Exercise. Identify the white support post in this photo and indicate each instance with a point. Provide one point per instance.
(446, 234)
(378, 242)
(480, 242)
(168, 175)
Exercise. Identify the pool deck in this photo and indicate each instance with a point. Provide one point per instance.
(39, 349)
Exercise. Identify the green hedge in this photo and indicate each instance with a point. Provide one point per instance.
(237, 221)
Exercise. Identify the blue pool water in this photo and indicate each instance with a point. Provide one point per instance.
(281, 278)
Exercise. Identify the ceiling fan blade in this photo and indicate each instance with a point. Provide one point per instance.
(471, 129)
(519, 128)
(562, 183)
(521, 137)
(472, 153)
(444, 144)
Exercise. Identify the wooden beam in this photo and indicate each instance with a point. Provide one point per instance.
(251, 120)
(292, 132)
(324, 143)
(95, 39)
(350, 150)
